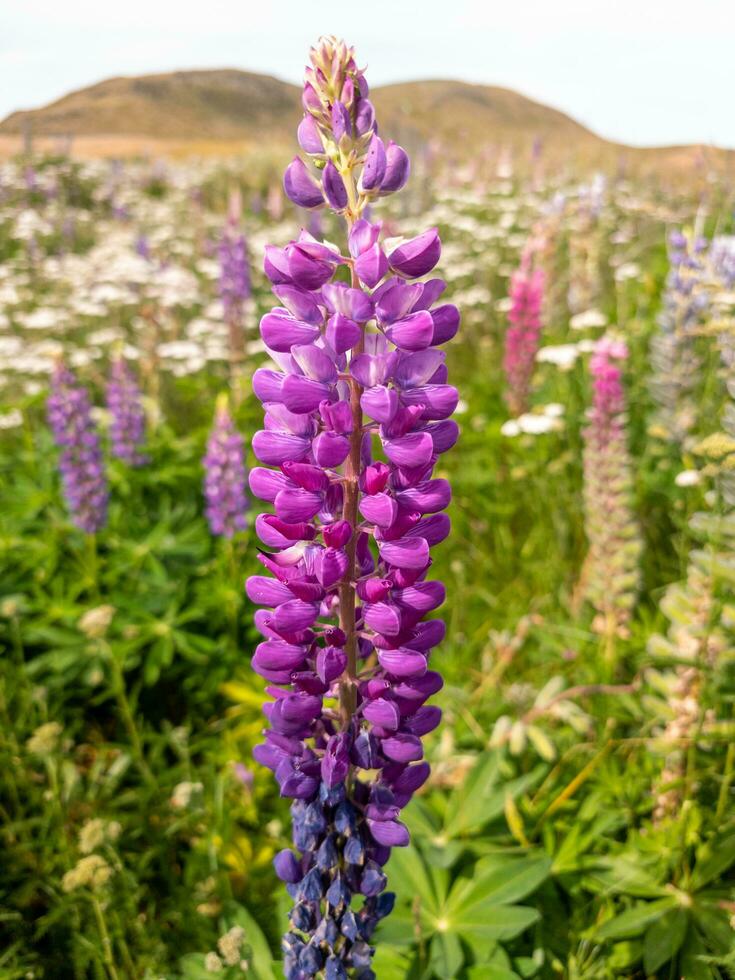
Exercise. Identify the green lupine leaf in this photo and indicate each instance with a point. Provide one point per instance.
(497, 883)
(664, 938)
(635, 920)
(447, 957)
(410, 876)
(714, 924)
(489, 971)
(493, 922)
(691, 965)
(390, 962)
(713, 858)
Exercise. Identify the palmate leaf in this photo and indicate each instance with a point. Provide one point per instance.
(489, 971)
(447, 956)
(490, 923)
(713, 858)
(480, 799)
(499, 882)
(391, 962)
(691, 965)
(411, 878)
(664, 938)
(634, 921)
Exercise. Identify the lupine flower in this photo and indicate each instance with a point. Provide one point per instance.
(127, 429)
(234, 281)
(524, 333)
(81, 465)
(224, 475)
(345, 650)
(676, 366)
(610, 573)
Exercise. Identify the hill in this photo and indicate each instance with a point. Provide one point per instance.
(228, 107)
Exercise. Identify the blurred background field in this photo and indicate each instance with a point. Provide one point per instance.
(579, 822)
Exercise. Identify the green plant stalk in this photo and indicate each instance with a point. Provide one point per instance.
(107, 954)
(127, 718)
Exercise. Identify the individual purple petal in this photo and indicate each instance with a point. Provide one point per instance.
(363, 235)
(413, 332)
(405, 552)
(277, 447)
(300, 186)
(402, 662)
(301, 395)
(397, 168)
(383, 713)
(402, 747)
(308, 135)
(417, 256)
(446, 323)
(300, 303)
(342, 334)
(330, 449)
(280, 331)
(334, 187)
(380, 509)
(352, 303)
(380, 403)
(371, 265)
(376, 164)
(413, 449)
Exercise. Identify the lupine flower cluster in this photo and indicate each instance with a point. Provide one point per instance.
(81, 464)
(584, 248)
(524, 333)
(127, 427)
(234, 278)
(356, 418)
(224, 475)
(610, 572)
(676, 366)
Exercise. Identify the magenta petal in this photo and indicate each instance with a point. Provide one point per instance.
(380, 403)
(383, 713)
(267, 385)
(427, 497)
(294, 615)
(397, 301)
(280, 331)
(383, 618)
(402, 748)
(418, 255)
(302, 395)
(350, 302)
(414, 370)
(275, 448)
(376, 163)
(300, 186)
(379, 508)
(330, 566)
(403, 662)
(371, 266)
(330, 663)
(446, 323)
(297, 505)
(300, 304)
(439, 401)
(405, 552)
(267, 484)
(330, 449)
(363, 235)
(412, 449)
(413, 332)
(334, 187)
(421, 597)
(342, 333)
(397, 170)
(277, 655)
(266, 591)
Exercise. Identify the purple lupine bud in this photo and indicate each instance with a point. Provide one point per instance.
(80, 462)
(224, 476)
(308, 136)
(417, 256)
(376, 163)
(287, 866)
(334, 188)
(127, 427)
(300, 186)
(397, 170)
(347, 350)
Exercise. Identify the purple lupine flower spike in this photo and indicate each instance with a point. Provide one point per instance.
(524, 333)
(234, 280)
(80, 463)
(224, 475)
(346, 650)
(127, 427)
(610, 575)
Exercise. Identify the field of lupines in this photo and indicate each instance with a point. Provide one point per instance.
(578, 819)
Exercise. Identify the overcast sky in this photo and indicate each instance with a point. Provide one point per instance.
(638, 71)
